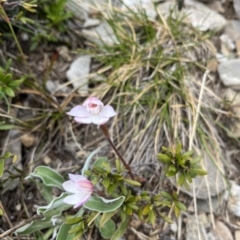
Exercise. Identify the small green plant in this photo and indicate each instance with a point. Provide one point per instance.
(56, 13)
(8, 85)
(182, 164)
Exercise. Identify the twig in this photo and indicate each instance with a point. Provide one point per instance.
(25, 222)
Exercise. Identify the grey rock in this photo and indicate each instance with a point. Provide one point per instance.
(236, 6)
(202, 17)
(78, 74)
(194, 227)
(101, 34)
(229, 72)
(196, 14)
(233, 202)
(147, 5)
(232, 29)
(204, 205)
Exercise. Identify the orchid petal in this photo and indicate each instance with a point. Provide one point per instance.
(77, 199)
(99, 120)
(107, 112)
(84, 120)
(77, 187)
(93, 100)
(76, 178)
(79, 111)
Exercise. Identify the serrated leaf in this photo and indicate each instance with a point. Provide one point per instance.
(100, 204)
(121, 229)
(50, 177)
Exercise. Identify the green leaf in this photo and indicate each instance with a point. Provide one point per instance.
(187, 154)
(49, 176)
(176, 211)
(74, 220)
(121, 229)
(164, 158)
(9, 91)
(16, 83)
(166, 218)
(166, 195)
(102, 165)
(35, 226)
(7, 155)
(55, 207)
(199, 171)
(63, 233)
(8, 64)
(132, 182)
(7, 78)
(1, 167)
(46, 192)
(181, 179)
(108, 229)
(106, 182)
(6, 127)
(152, 217)
(104, 205)
(105, 217)
(180, 205)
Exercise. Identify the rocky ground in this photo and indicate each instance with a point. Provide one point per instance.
(213, 202)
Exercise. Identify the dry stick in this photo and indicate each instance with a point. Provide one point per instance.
(20, 225)
(106, 134)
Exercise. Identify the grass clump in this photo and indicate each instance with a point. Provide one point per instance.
(156, 75)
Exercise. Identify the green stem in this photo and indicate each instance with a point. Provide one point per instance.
(106, 134)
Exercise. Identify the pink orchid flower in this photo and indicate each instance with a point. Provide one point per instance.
(92, 111)
(81, 188)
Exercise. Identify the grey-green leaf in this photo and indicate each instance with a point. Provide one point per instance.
(104, 205)
(50, 177)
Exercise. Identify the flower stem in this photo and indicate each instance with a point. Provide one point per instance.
(106, 134)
